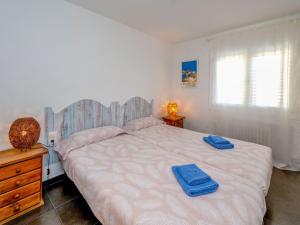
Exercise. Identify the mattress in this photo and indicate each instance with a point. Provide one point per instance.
(128, 181)
(247, 160)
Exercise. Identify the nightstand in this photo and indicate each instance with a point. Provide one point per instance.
(176, 121)
(20, 181)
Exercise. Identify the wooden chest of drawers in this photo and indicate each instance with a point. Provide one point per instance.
(20, 182)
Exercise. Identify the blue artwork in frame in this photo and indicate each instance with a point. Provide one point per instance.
(189, 72)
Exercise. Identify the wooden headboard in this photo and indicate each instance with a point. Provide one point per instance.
(136, 108)
(86, 114)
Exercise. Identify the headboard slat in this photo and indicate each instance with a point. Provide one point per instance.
(86, 114)
(49, 123)
(136, 108)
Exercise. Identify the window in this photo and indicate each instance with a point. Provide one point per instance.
(257, 80)
(265, 75)
(231, 78)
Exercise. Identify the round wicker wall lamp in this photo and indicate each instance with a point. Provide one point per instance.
(24, 133)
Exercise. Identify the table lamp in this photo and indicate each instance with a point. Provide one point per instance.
(24, 133)
(172, 108)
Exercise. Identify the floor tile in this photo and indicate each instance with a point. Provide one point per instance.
(49, 218)
(62, 192)
(28, 217)
(267, 222)
(54, 180)
(283, 199)
(76, 212)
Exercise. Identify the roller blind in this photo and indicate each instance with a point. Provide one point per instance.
(254, 80)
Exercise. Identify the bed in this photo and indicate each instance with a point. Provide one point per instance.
(126, 178)
(248, 160)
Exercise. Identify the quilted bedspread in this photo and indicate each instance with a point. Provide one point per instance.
(127, 180)
(248, 160)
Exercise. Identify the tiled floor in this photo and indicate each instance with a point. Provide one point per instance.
(283, 200)
(65, 206)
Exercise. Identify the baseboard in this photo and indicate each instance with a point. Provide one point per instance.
(53, 180)
(56, 169)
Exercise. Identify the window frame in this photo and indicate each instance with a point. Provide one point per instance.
(248, 100)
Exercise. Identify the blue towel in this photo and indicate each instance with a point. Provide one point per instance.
(218, 146)
(218, 139)
(196, 190)
(192, 174)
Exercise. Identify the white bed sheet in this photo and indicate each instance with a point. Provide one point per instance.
(248, 160)
(128, 181)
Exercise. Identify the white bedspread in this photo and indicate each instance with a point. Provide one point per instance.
(248, 160)
(128, 181)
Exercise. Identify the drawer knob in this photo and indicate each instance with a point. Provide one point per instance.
(18, 170)
(17, 196)
(18, 183)
(16, 208)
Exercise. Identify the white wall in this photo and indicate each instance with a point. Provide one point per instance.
(53, 53)
(193, 101)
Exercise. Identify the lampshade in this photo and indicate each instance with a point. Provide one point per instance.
(24, 133)
(172, 108)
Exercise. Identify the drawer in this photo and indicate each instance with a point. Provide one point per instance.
(20, 168)
(19, 181)
(19, 206)
(20, 193)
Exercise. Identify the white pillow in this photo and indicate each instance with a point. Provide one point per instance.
(135, 125)
(86, 137)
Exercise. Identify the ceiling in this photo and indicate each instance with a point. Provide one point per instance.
(182, 20)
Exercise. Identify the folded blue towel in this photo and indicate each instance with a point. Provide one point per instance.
(218, 146)
(218, 139)
(192, 174)
(196, 190)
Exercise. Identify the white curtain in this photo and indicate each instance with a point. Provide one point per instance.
(255, 88)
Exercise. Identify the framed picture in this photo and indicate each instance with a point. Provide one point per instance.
(189, 73)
